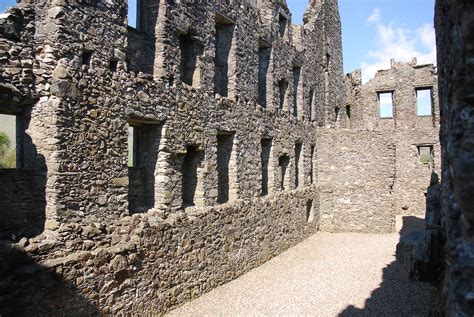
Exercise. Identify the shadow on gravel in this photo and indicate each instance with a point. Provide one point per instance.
(397, 295)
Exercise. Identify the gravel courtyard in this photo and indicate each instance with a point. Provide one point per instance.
(343, 274)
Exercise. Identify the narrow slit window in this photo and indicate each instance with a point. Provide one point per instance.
(8, 141)
(282, 25)
(87, 58)
(310, 105)
(298, 168)
(225, 144)
(282, 88)
(132, 13)
(385, 104)
(424, 102)
(266, 161)
(191, 163)
(224, 36)
(283, 163)
(309, 211)
(191, 50)
(348, 112)
(296, 83)
(264, 54)
(311, 167)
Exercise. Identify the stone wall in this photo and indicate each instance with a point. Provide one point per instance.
(454, 33)
(192, 211)
(356, 173)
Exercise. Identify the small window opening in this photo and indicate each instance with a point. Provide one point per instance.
(113, 65)
(298, 169)
(296, 83)
(191, 50)
(348, 112)
(264, 54)
(9, 146)
(385, 104)
(424, 102)
(336, 113)
(309, 211)
(282, 25)
(225, 144)
(191, 162)
(311, 168)
(425, 153)
(310, 105)
(266, 161)
(224, 36)
(143, 150)
(283, 162)
(282, 88)
(87, 58)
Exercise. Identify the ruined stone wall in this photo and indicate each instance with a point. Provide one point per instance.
(356, 180)
(126, 239)
(405, 128)
(454, 33)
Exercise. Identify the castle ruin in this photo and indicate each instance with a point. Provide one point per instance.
(155, 163)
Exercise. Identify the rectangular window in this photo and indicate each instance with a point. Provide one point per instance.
(310, 105)
(283, 162)
(385, 104)
(309, 211)
(282, 25)
(425, 153)
(191, 163)
(191, 51)
(424, 104)
(282, 88)
(298, 179)
(225, 159)
(143, 148)
(348, 111)
(311, 171)
(8, 141)
(224, 35)
(296, 83)
(266, 161)
(264, 54)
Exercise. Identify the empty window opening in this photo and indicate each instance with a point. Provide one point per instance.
(8, 141)
(225, 144)
(336, 113)
(191, 163)
(424, 102)
(310, 105)
(191, 50)
(283, 162)
(385, 104)
(266, 161)
(224, 35)
(309, 211)
(348, 112)
(296, 83)
(298, 169)
(87, 58)
(143, 148)
(311, 166)
(282, 88)
(264, 54)
(282, 25)
(113, 65)
(425, 153)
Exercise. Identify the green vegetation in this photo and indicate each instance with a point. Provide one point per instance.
(7, 153)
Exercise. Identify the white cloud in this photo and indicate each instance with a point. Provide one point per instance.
(399, 43)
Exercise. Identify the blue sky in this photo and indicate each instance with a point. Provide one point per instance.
(374, 31)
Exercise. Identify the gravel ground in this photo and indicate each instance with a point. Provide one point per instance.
(344, 274)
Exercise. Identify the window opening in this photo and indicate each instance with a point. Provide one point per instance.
(385, 104)
(424, 102)
(9, 146)
(224, 36)
(266, 161)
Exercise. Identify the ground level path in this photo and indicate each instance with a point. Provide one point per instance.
(343, 274)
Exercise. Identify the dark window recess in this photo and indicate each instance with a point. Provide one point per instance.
(225, 143)
(296, 82)
(348, 111)
(311, 171)
(283, 162)
(282, 88)
(282, 24)
(190, 52)
(310, 104)
(113, 65)
(224, 36)
(265, 157)
(298, 148)
(87, 58)
(263, 66)
(309, 211)
(425, 153)
(191, 162)
(336, 112)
